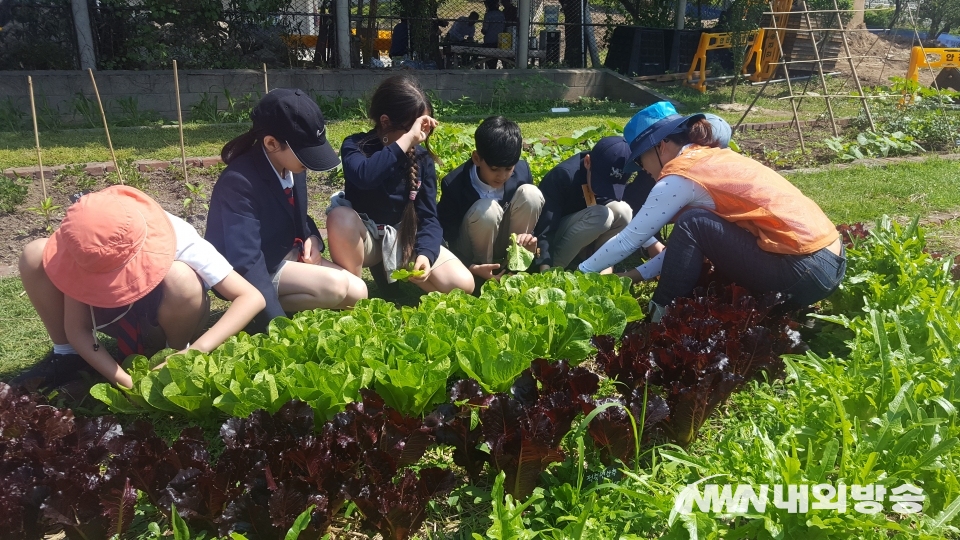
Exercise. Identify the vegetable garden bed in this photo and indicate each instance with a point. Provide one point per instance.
(390, 436)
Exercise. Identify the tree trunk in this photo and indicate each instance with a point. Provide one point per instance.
(857, 20)
(898, 5)
(573, 32)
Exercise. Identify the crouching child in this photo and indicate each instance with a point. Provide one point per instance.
(121, 265)
(488, 198)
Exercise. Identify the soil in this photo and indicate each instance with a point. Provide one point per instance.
(165, 186)
(890, 57)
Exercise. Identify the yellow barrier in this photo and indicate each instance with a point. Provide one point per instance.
(710, 42)
(920, 57)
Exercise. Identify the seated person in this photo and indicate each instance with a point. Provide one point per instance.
(121, 265)
(488, 198)
(398, 39)
(757, 228)
(587, 201)
(463, 28)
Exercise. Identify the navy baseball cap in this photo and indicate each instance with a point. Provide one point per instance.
(295, 118)
(607, 160)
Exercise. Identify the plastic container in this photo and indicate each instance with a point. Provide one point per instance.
(505, 40)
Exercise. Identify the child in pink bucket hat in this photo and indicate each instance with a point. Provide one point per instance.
(121, 265)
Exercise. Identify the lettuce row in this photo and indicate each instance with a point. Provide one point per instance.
(324, 358)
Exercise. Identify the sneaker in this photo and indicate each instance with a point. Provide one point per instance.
(53, 371)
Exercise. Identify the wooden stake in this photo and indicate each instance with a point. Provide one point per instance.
(266, 87)
(106, 128)
(183, 149)
(36, 137)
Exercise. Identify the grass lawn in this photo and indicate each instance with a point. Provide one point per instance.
(769, 108)
(846, 195)
(85, 145)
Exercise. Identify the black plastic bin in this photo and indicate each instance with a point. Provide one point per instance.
(634, 50)
(679, 47)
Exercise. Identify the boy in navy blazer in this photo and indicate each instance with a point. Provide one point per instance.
(488, 198)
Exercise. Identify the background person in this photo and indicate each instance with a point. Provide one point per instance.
(493, 26)
(464, 28)
(387, 212)
(258, 214)
(121, 265)
(757, 229)
(490, 197)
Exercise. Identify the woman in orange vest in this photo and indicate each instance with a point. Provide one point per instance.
(757, 229)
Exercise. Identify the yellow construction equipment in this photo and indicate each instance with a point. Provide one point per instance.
(710, 42)
(920, 57)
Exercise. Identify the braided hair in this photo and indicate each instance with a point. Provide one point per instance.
(402, 100)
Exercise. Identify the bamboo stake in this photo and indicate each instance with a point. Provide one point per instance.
(183, 148)
(786, 74)
(36, 137)
(105, 127)
(266, 87)
(823, 80)
(853, 69)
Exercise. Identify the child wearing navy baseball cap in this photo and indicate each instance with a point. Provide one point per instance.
(258, 211)
(588, 200)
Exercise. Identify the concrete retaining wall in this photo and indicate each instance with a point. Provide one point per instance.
(154, 90)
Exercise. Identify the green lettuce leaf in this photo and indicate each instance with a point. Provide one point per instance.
(519, 258)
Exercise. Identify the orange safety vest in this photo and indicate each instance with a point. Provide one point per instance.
(755, 197)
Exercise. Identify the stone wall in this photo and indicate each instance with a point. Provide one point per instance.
(154, 90)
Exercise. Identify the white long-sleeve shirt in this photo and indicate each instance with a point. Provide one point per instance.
(667, 198)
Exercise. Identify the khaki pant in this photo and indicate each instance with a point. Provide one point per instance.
(486, 228)
(592, 226)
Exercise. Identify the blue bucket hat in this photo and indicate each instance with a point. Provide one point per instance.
(650, 126)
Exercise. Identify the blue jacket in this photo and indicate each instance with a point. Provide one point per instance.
(562, 189)
(253, 225)
(458, 195)
(375, 184)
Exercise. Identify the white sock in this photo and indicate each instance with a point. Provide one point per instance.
(64, 349)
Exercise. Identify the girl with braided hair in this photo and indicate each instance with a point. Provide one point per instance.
(387, 214)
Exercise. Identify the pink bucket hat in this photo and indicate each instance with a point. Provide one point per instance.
(113, 247)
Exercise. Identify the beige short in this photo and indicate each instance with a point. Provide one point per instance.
(275, 277)
(373, 247)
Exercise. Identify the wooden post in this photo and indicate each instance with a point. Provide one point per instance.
(786, 75)
(106, 128)
(823, 80)
(853, 68)
(266, 86)
(36, 137)
(183, 149)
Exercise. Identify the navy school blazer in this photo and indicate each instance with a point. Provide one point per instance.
(375, 184)
(457, 195)
(253, 225)
(562, 189)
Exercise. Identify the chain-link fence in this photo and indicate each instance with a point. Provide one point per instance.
(204, 34)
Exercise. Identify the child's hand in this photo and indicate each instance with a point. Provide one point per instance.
(421, 128)
(423, 263)
(486, 271)
(311, 251)
(527, 242)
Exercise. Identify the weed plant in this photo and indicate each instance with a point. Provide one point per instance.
(12, 118)
(86, 109)
(130, 114)
(13, 191)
